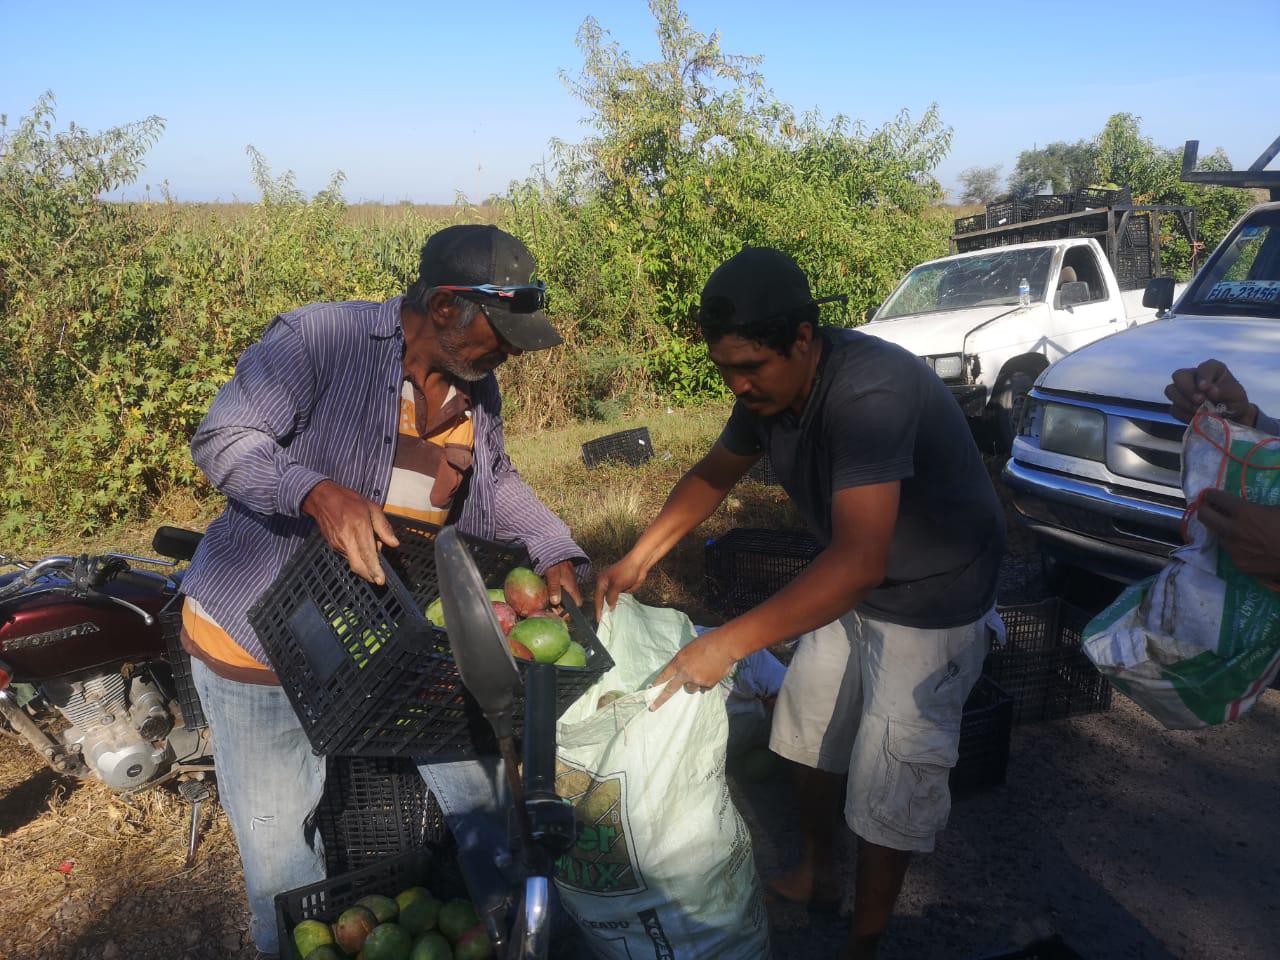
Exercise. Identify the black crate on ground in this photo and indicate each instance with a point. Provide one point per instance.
(180, 664)
(970, 244)
(762, 472)
(326, 900)
(971, 223)
(747, 566)
(367, 674)
(984, 739)
(1042, 666)
(1052, 949)
(374, 807)
(1093, 198)
(632, 447)
(1050, 205)
(1002, 213)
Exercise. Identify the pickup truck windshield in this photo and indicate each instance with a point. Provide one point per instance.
(1243, 278)
(989, 280)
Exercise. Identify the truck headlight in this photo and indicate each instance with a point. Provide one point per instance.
(949, 366)
(1073, 431)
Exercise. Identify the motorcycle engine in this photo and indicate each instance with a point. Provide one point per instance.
(112, 724)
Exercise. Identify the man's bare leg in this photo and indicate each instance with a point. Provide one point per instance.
(815, 877)
(880, 873)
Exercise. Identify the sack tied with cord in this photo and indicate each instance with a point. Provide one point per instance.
(1197, 643)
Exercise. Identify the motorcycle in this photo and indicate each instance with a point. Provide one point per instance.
(519, 923)
(92, 676)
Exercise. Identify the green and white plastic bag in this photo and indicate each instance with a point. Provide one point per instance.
(1196, 644)
(663, 864)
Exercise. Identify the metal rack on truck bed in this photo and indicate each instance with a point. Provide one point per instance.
(1128, 233)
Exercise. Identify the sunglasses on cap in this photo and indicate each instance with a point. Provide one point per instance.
(520, 298)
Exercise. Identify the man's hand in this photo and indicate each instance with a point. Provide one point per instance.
(697, 668)
(1210, 381)
(352, 525)
(562, 577)
(623, 577)
(1249, 532)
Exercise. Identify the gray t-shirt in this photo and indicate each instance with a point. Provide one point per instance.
(877, 414)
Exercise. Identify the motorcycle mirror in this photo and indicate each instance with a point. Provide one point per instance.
(483, 657)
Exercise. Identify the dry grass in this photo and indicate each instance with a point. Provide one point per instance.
(125, 891)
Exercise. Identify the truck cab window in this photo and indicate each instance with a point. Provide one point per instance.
(1080, 266)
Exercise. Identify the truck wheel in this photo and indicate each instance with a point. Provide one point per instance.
(1006, 407)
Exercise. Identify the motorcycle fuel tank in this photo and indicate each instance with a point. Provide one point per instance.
(45, 635)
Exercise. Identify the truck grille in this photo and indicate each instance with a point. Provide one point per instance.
(1146, 446)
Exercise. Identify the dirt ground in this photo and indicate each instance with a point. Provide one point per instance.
(1129, 840)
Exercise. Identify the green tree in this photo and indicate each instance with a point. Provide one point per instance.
(690, 157)
(980, 184)
(1064, 166)
(1126, 157)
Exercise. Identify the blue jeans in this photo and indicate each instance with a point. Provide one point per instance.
(269, 783)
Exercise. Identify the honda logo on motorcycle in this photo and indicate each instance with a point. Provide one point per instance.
(33, 640)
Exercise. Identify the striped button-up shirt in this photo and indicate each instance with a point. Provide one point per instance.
(318, 397)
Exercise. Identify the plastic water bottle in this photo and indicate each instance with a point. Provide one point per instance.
(1024, 293)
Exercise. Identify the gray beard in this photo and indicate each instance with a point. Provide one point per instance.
(450, 342)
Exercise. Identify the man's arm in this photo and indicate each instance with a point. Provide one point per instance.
(240, 447)
(693, 499)
(239, 444)
(863, 521)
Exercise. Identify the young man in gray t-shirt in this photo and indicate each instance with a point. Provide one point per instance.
(894, 615)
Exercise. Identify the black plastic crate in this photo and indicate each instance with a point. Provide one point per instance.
(1042, 666)
(762, 472)
(1044, 231)
(1050, 205)
(1052, 949)
(632, 447)
(367, 674)
(1137, 231)
(326, 900)
(374, 807)
(180, 664)
(1094, 198)
(984, 739)
(1003, 213)
(971, 223)
(1133, 268)
(1087, 226)
(747, 566)
(973, 243)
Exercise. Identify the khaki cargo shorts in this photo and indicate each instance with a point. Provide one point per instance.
(883, 703)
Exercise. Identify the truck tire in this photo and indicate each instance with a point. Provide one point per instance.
(1006, 406)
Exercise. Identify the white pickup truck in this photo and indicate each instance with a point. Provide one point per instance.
(963, 315)
(1096, 465)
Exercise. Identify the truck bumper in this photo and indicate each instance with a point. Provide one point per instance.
(1089, 525)
(972, 397)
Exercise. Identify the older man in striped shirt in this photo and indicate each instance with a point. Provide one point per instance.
(340, 414)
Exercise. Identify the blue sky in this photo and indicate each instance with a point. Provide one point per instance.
(418, 100)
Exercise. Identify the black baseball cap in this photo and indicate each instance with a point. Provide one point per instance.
(755, 285)
(473, 254)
